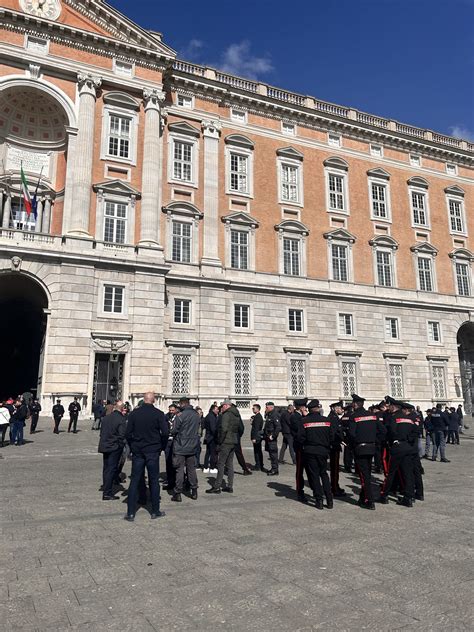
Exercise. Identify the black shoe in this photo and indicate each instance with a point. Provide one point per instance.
(329, 503)
(370, 506)
(348, 470)
(229, 490)
(383, 500)
(445, 461)
(405, 502)
(319, 504)
(248, 472)
(425, 456)
(177, 498)
(160, 514)
(129, 517)
(194, 494)
(110, 497)
(282, 462)
(264, 469)
(302, 498)
(213, 490)
(419, 497)
(340, 493)
(272, 473)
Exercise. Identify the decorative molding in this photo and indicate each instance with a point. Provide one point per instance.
(34, 71)
(395, 356)
(183, 344)
(16, 264)
(116, 187)
(292, 226)
(236, 346)
(378, 173)
(348, 352)
(184, 128)
(121, 100)
(153, 98)
(340, 234)
(461, 254)
(290, 152)
(383, 241)
(88, 84)
(239, 140)
(417, 181)
(301, 350)
(211, 128)
(239, 218)
(336, 163)
(454, 190)
(424, 248)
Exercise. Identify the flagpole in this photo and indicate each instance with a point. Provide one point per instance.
(21, 195)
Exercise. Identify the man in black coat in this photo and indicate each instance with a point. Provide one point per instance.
(271, 430)
(111, 443)
(337, 411)
(210, 438)
(35, 409)
(285, 421)
(58, 414)
(295, 422)
(256, 436)
(74, 410)
(17, 422)
(98, 410)
(147, 435)
(185, 433)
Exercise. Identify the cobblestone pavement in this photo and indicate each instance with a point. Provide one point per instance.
(255, 560)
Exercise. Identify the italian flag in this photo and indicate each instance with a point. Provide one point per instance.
(25, 192)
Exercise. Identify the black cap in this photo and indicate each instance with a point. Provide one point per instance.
(393, 402)
(407, 406)
(269, 404)
(382, 403)
(301, 402)
(357, 398)
(314, 403)
(339, 403)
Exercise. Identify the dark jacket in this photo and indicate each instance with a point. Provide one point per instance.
(20, 413)
(453, 421)
(285, 418)
(185, 431)
(337, 430)
(296, 420)
(256, 428)
(210, 428)
(402, 433)
(74, 408)
(365, 430)
(35, 409)
(98, 410)
(112, 432)
(316, 434)
(439, 421)
(58, 410)
(147, 430)
(272, 426)
(231, 427)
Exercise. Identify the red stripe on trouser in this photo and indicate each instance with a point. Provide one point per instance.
(385, 461)
(299, 460)
(361, 476)
(382, 491)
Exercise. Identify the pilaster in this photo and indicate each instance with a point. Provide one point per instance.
(211, 132)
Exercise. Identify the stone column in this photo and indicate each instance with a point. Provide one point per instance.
(211, 133)
(150, 205)
(7, 209)
(77, 220)
(39, 216)
(69, 184)
(47, 215)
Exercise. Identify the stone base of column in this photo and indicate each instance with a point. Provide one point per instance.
(151, 249)
(211, 267)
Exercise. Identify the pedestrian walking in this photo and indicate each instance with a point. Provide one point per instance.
(256, 436)
(230, 430)
(439, 425)
(210, 424)
(285, 421)
(185, 431)
(18, 421)
(35, 409)
(74, 410)
(111, 443)
(271, 430)
(58, 414)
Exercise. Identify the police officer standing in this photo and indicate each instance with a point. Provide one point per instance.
(316, 435)
(334, 417)
(295, 422)
(58, 414)
(271, 430)
(74, 410)
(365, 431)
(35, 409)
(439, 425)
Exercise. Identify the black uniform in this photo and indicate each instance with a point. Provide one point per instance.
(348, 455)
(335, 453)
(296, 421)
(58, 414)
(287, 437)
(315, 435)
(402, 436)
(74, 410)
(417, 466)
(256, 436)
(364, 430)
(271, 430)
(35, 409)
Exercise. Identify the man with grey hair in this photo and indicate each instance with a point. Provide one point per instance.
(230, 430)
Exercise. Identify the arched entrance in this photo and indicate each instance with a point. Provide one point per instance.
(23, 306)
(465, 340)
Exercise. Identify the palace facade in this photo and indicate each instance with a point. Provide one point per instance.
(203, 234)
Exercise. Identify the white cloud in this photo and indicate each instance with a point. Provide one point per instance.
(193, 50)
(460, 131)
(237, 59)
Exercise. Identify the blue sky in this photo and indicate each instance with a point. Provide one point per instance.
(410, 60)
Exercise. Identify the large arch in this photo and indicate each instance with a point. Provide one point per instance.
(23, 316)
(465, 340)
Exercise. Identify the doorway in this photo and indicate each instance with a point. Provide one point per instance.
(465, 341)
(23, 319)
(108, 376)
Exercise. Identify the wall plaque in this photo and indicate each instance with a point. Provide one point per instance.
(33, 161)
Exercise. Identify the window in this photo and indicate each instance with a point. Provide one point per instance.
(434, 331)
(415, 160)
(297, 377)
(346, 325)
(182, 161)
(242, 375)
(295, 320)
(348, 378)
(289, 183)
(289, 129)
(418, 205)
(334, 140)
(451, 169)
(184, 101)
(239, 167)
(123, 68)
(463, 274)
(376, 151)
(113, 299)
(456, 215)
(425, 274)
(384, 268)
(339, 262)
(181, 374)
(119, 136)
(181, 242)
(238, 116)
(438, 379)
(37, 44)
(392, 329)
(395, 376)
(239, 249)
(242, 316)
(336, 192)
(182, 311)
(115, 222)
(291, 257)
(379, 200)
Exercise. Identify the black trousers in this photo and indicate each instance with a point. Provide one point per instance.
(417, 474)
(258, 454)
(453, 436)
(316, 467)
(72, 423)
(57, 421)
(334, 458)
(401, 463)
(34, 422)
(272, 448)
(348, 458)
(299, 470)
(363, 466)
(287, 443)
(240, 457)
(109, 470)
(210, 458)
(170, 469)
